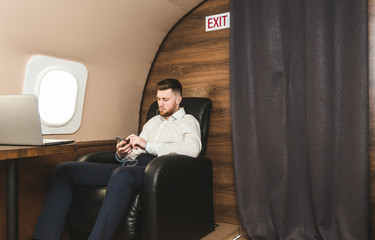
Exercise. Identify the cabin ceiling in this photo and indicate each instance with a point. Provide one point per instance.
(185, 4)
(84, 26)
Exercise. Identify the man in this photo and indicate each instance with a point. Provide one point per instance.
(173, 131)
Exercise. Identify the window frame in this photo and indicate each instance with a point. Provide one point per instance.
(38, 67)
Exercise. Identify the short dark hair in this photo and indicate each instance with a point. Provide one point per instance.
(170, 83)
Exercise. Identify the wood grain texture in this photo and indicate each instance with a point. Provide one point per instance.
(200, 61)
(12, 152)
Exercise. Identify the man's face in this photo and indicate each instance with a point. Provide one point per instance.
(168, 102)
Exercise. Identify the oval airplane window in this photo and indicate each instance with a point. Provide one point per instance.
(60, 86)
(57, 97)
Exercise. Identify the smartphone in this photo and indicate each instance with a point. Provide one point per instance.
(119, 139)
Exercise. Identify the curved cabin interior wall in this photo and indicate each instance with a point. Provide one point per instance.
(200, 60)
(116, 41)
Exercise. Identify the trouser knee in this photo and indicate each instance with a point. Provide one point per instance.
(61, 170)
(121, 177)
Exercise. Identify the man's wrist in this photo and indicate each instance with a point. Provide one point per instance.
(118, 158)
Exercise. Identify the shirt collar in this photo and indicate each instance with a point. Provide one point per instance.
(178, 115)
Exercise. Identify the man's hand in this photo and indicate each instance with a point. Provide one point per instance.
(136, 141)
(123, 148)
(126, 146)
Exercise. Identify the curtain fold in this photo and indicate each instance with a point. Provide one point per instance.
(299, 98)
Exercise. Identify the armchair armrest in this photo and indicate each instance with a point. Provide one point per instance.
(98, 157)
(177, 197)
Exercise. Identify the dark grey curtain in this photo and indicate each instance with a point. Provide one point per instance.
(299, 97)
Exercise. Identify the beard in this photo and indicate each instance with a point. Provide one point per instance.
(167, 112)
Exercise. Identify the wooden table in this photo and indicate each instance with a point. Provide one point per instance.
(11, 154)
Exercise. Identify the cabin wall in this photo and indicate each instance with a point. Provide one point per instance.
(115, 40)
(200, 60)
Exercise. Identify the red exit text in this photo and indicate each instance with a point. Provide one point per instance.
(218, 21)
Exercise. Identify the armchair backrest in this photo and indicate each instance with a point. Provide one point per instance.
(200, 108)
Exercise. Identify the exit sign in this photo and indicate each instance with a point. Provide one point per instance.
(218, 21)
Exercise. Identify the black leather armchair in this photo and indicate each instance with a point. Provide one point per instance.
(176, 200)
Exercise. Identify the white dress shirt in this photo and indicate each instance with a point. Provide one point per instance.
(179, 134)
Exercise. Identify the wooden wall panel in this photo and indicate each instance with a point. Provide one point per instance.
(200, 60)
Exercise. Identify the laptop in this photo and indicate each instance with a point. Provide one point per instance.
(20, 122)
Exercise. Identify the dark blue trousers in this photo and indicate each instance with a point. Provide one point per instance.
(121, 182)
